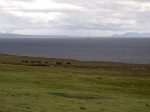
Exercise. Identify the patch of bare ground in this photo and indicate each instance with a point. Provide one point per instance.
(79, 96)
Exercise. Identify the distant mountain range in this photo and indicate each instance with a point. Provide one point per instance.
(8, 34)
(128, 34)
(133, 34)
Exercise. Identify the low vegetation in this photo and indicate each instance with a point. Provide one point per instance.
(59, 85)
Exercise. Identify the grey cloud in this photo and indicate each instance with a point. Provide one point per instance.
(102, 15)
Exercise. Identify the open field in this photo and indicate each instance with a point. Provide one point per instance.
(42, 85)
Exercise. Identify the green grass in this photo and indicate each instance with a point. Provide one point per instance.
(82, 86)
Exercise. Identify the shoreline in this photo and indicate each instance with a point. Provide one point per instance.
(55, 62)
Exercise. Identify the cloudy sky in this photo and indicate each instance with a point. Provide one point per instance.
(74, 17)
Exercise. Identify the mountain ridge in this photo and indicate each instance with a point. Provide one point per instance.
(132, 34)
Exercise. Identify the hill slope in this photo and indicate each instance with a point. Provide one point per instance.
(77, 87)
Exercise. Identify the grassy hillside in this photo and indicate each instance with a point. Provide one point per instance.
(72, 86)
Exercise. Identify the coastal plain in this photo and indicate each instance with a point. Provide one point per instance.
(35, 84)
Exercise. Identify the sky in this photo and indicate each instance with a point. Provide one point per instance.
(74, 17)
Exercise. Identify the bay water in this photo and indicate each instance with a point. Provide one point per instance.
(126, 50)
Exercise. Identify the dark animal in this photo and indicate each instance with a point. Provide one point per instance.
(38, 62)
(33, 61)
(68, 63)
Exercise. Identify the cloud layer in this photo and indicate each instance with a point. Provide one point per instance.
(74, 17)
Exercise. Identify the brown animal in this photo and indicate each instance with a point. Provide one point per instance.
(68, 63)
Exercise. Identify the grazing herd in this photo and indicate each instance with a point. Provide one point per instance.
(46, 63)
(33, 62)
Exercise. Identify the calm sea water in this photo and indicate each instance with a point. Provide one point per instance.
(128, 50)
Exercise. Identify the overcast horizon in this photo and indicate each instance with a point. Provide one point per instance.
(74, 18)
